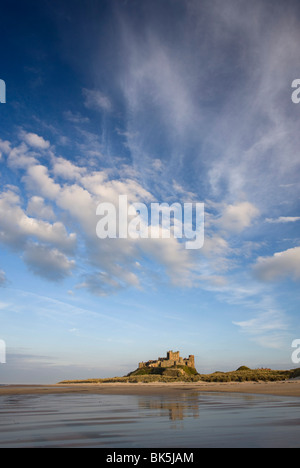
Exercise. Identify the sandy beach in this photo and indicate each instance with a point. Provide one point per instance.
(289, 388)
(152, 415)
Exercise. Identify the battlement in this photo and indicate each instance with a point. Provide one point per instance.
(172, 359)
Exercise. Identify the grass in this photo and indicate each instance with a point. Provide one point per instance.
(247, 375)
(175, 371)
(187, 374)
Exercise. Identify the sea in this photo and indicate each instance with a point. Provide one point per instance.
(185, 420)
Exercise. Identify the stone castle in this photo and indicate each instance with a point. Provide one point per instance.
(172, 359)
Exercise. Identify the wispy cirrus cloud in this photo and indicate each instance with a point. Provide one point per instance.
(283, 220)
(3, 279)
(165, 101)
(269, 329)
(75, 117)
(96, 100)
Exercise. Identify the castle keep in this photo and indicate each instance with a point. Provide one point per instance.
(172, 359)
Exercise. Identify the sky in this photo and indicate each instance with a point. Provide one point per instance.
(169, 101)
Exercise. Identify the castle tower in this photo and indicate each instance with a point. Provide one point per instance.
(192, 360)
(173, 356)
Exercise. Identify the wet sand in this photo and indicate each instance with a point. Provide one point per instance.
(289, 388)
(178, 415)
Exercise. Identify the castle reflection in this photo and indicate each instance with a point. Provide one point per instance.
(186, 406)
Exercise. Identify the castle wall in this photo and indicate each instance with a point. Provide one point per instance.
(172, 359)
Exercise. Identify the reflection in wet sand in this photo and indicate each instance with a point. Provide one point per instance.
(186, 420)
(187, 406)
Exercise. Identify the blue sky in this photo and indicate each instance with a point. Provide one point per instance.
(168, 101)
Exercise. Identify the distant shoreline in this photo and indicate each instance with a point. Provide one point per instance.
(289, 388)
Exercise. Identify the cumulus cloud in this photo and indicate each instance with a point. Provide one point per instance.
(48, 263)
(36, 141)
(280, 265)
(179, 264)
(236, 218)
(20, 157)
(100, 284)
(38, 178)
(67, 170)
(16, 228)
(37, 207)
(74, 191)
(4, 148)
(111, 263)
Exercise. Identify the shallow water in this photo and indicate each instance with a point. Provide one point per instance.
(187, 420)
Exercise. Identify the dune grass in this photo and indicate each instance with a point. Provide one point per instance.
(184, 374)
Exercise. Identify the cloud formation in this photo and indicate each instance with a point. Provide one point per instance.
(283, 219)
(52, 248)
(184, 136)
(2, 278)
(96, 100)
(281, 265)
(36, 141)
(236, 218)
(163, 101)
(48, 263)
(267, 329)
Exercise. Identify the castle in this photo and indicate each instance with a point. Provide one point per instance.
(172, 359)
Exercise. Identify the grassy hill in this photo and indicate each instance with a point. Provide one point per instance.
(175, 371)
(187, 374)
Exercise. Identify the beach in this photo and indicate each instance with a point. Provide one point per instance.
(155, 415)
(289, 388)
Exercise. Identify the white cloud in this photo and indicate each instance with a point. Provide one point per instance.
(21, 157)
(100, 284)
(111, 264)
(4, 147)
(2, 279)
(67, 170)
(268, 329)
(114, 261)
(75, 117)
(99, 184)
(36, 207)
(77, 199)
(36, 141)
(280, 265)
(178, 263)
(16, 228)
(48, 263)
(81, 206)
(38, 179)
(94, 99)
(283, 219)
(236, 218)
